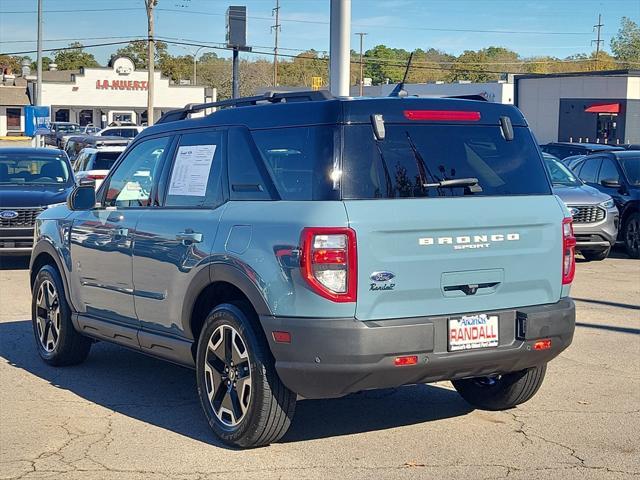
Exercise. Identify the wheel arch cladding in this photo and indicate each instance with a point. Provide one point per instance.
(229, 285)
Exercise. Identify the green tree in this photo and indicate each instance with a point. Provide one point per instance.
(137, 51)
(45, 64)
(382, 63)
(74, 58)
(626, 44)
(10, 64)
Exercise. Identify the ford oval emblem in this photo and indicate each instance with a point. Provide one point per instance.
(381, 276)
(8, 214)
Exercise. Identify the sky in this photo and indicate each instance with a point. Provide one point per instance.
(530, 27)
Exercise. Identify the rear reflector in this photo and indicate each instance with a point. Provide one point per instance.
(542, 344)
(408, 360)
(281, 337)
(447, 115)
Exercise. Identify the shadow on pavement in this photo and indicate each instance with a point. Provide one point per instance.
(164, 395)
(14, 263)
(612, 328)
(607, 303)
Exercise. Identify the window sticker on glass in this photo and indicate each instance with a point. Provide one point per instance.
(191, 170)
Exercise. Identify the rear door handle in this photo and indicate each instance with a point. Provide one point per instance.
(189, 237)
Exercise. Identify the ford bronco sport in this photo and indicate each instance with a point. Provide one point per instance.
(300, 245)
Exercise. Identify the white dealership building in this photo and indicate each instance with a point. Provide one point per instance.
(102, 95)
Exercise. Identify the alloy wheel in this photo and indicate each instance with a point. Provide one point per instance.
(227, 374)
(633, 234)
(48, 316)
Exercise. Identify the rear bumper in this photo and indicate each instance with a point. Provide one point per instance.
(334, 357)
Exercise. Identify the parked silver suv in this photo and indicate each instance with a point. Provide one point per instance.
(595, 216)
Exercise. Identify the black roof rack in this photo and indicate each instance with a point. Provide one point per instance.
(468, 97)
(269, 97)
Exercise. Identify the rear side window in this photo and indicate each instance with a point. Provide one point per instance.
(414, 155)
(103, 160)
(589, 170)
(608, 171)
(301, 161)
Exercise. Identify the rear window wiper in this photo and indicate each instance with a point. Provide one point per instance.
(471, 183)
(423, 169)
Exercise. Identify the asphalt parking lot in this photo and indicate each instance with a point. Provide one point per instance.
(122, 415)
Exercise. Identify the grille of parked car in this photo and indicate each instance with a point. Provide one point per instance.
(26, 217)
(587, 214)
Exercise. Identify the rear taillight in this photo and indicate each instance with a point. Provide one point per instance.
(568, 251)
(329, 262)
(93, 176)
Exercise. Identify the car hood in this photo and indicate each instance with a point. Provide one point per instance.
(32, 196)
(580, 195)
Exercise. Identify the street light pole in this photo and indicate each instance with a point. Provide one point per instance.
(362, 34)
(195, 63)
(39, 55)
(151, 54)
(340, 47)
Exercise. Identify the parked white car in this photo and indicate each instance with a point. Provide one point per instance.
(126, 131)
(95, 163)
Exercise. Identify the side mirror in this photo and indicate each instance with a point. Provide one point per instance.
(82, 197)
(610, 183)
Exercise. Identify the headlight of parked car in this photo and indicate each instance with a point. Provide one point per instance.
(608, 203)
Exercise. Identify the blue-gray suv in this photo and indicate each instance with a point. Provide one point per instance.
(300, 245)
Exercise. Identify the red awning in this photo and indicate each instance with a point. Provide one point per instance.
(603, 108)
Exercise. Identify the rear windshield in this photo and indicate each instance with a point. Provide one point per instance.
(104, 160)
(413, 156)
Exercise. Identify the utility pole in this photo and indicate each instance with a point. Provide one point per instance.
(276, 29)
(362, 34)
(340, 48)
(151, 58)
(598, 41)
(39, 59)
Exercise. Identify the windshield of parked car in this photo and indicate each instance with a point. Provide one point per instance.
(440, 160)
(630, 162)
(33, 169)
(68, 128)
(561, 175)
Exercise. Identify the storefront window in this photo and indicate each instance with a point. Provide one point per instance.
(13, 118)
(607, 126)
(62, 115)
(85, 117)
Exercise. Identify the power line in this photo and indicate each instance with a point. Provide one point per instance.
(367, 60)
(316, 22)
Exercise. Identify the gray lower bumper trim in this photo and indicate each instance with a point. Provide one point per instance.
(334, 357)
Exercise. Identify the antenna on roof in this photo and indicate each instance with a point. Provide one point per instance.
(399, 90)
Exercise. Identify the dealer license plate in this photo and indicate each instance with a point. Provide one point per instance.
(473, 331)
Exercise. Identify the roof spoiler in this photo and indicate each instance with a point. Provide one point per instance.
(268, 97)
(468, 97)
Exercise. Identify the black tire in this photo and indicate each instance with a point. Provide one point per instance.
(631, 235)
(596, 255)
(270, 406)
(57, 341)
(503, 392)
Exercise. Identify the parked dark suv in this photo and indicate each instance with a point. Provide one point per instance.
(618, 174)
(305, 245)
(567, 149)
(31, 179)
